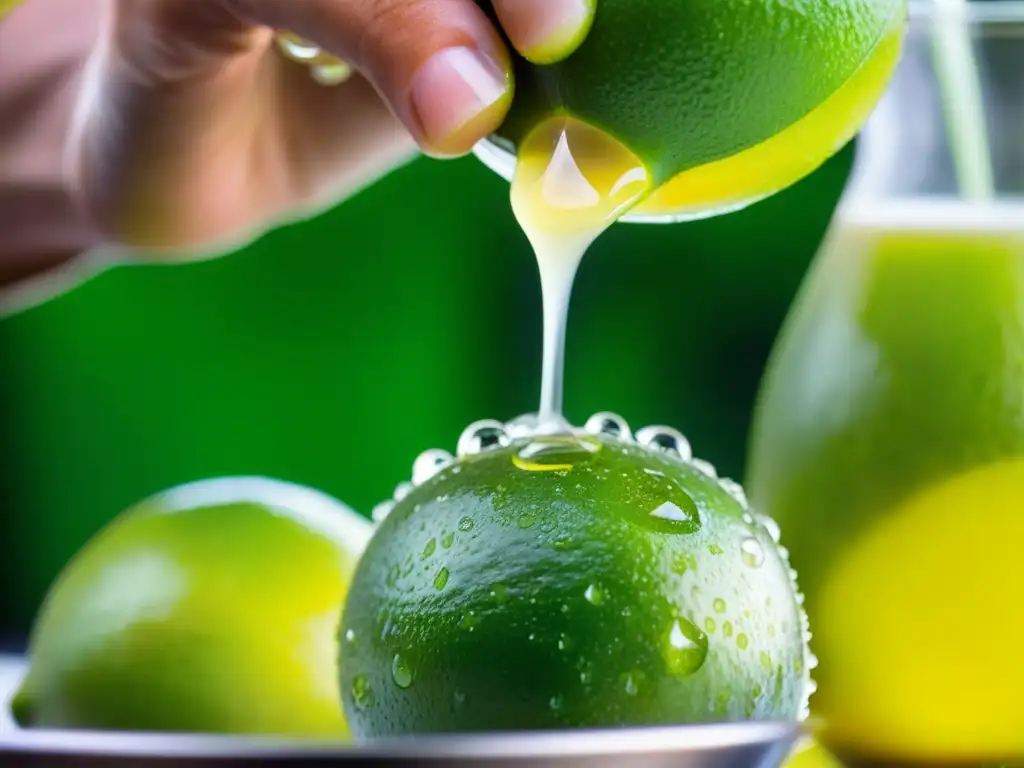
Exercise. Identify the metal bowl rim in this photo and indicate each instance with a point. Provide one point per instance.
(517, 745)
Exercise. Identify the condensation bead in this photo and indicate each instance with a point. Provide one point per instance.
(382, 510)
(428, 464)
(522, 426)
(483, 436)
(735, 490)
(665, 439)
(706, 467)
(607, 423)
(771, 526)
(402, 490)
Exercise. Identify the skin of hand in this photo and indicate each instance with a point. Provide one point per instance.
(174, 129)
(193, 130)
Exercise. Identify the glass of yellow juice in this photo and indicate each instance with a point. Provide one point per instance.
(889, 437)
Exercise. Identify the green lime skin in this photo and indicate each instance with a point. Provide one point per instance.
(212, 607)
(683, 83)
(599, 585)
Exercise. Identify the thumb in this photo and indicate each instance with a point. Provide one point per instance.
(439, 64)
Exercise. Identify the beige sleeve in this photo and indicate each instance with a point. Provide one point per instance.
(43, 48)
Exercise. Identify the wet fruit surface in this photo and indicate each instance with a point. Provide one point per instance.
(570, 581)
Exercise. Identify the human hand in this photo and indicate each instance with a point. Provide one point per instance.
(193, 129)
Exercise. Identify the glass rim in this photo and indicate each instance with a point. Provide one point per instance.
(970, 11)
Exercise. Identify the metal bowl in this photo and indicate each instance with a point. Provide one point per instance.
(734, 745)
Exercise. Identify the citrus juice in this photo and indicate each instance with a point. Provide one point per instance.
(889, 446)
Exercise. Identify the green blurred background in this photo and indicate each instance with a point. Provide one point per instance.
(330, 353)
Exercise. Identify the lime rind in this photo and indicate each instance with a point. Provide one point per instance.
(490, 434)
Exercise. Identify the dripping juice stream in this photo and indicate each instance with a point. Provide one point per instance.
(572, 182)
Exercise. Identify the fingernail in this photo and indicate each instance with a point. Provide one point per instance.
(453, 90)
(545, 31)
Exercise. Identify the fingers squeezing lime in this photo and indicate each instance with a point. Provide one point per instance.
(584, 579)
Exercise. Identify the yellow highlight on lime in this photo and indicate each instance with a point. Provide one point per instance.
(788, 156)
(924, 640)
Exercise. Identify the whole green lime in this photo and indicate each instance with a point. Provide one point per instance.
(684, 83)
(212, 607)
(568, 582)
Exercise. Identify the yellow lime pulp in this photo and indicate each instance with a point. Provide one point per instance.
(788, 156)
(889, 446)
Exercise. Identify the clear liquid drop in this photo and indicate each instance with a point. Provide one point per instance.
(611, 424)
(428, 464)
(666, 440)
(484, 435)
(594, 595)
(752, 553)
(400, 672)
(686, 648)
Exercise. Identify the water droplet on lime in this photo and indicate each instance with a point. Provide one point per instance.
(466, 524)
(752, 553)
(400, 672)
(606, 423)
(428, 464)
(594, 595)
(484, 435)
(441, 579)
(362, 693)
(685, 648)
(428, 549)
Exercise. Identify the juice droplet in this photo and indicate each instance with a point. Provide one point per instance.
(526, 521)
(714, 549)
(594, 595)
(752, 553)
(742, 641)
(710, 626)
(466, 524)
(555, 453)
(718, 605)
(766, 661)
(400, 672)
(555, 703)
(684, 649)
(362, 693)
(572, 182)
(441, 579)
(565, 643)
(727, 629)
(448, 539)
